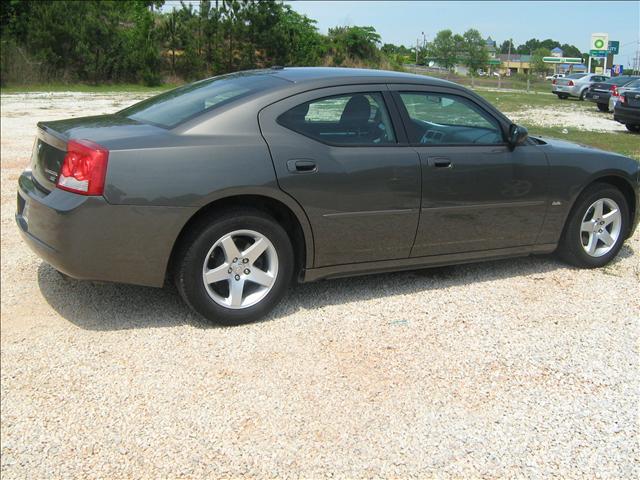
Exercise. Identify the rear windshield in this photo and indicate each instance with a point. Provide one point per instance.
(576, 75)
(171, 108)
(620, 80)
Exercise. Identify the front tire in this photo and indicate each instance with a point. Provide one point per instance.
(603, 107)
(583, 94)
(235, 269)
(633, 128)
(596, 227)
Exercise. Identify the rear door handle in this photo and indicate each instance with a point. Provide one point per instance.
(440, 162)
(302, 166)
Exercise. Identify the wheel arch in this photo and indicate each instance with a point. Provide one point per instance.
(284, 210)
(619, 182)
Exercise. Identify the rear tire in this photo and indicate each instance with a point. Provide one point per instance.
(633, 128)
(603, 107)
(584, 240)
(221, 278)
(563, 97)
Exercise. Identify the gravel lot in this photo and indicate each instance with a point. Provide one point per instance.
(523, 367)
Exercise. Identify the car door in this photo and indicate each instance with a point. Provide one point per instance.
(339, 153)
(477, 192)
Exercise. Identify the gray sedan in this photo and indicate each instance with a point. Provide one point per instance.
(236, 186)
(575, 85)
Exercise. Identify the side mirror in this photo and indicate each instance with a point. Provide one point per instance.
(517, 135)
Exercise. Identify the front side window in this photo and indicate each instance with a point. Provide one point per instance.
(436, 118)
(353, 119)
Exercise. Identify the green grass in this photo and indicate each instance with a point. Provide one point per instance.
(82, 87)
(511, 101)
(625, 143)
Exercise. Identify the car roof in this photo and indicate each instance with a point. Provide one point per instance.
(326, 76)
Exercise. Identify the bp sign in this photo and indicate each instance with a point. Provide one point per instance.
(599, 41)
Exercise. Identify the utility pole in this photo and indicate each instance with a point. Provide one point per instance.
(509, 58)
(417, 48)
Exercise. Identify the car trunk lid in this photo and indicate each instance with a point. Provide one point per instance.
(601, 87)
(565, 82)
(50, 146)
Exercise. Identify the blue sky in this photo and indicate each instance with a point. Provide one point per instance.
(401, 22)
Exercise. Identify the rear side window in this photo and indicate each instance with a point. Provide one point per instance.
(436, 118)
(620, 80)
(176, 106)
(353, 119)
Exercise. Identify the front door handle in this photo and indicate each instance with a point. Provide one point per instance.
(440, 162)
(302, 166)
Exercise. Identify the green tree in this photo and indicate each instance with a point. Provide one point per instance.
(504, 47)
(475, 55)
(356, 43)
(445, 49)
(537, 63)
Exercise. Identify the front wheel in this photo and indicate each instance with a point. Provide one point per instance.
(596, 227)
(583, 94)
(235, 269)
(633, 128)
(603, 107)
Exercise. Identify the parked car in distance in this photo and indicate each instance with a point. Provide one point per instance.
(627, 108)
(554, 76)
(613, 99)
(575, 84)
(600, 92)
(236, 186)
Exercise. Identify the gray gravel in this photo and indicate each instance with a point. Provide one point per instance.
(523, 367)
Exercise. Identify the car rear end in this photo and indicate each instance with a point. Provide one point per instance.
(613, 99)
(64, 217)
(566, 87)
(627, 110)
(601, 92)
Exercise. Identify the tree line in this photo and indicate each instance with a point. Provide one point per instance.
(140, 41)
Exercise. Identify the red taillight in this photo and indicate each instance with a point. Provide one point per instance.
(621, 99)
(614, 90)
(84, 168)
(554, 81)
(570, 83)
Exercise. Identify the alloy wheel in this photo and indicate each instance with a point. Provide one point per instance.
(600, 227)
(240, 269)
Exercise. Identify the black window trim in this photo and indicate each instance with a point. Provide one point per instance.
(406, 119)
(401, 139)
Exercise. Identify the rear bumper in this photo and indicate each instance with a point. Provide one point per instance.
(88, 238)
(626, 115)
(564, 90)
(597, 97)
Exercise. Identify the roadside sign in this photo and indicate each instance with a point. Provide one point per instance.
(614, 47)
(599, 41)
(617, 69)
(599, 70)
(598, 53)
(572, 60)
